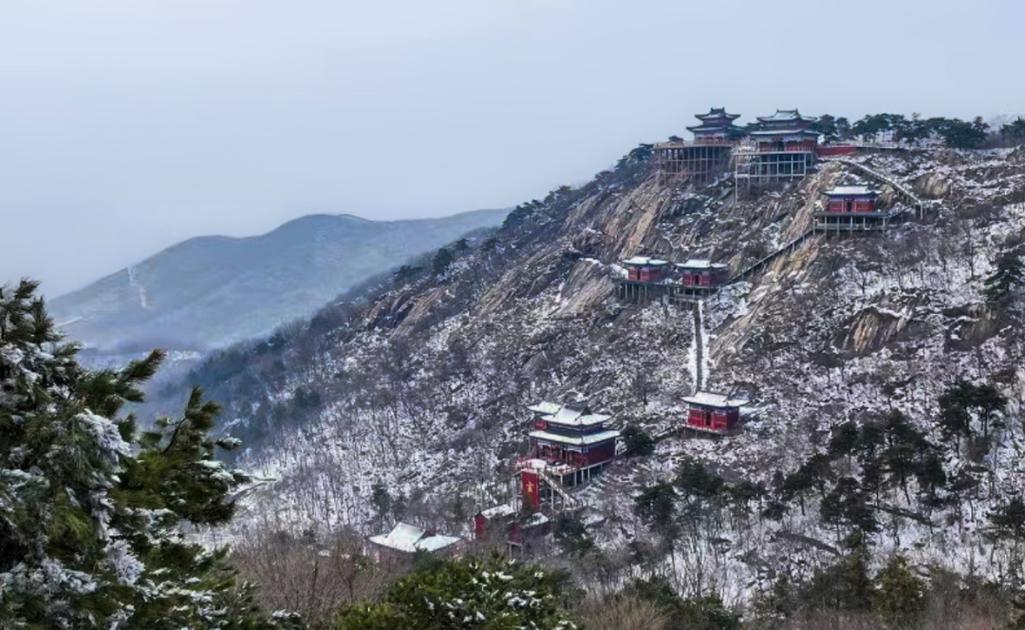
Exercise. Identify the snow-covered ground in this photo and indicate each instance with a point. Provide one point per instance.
(425, 389)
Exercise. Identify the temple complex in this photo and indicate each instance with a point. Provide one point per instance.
(708, 155)
(782, 147)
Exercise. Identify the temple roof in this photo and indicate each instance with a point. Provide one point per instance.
(717, 121)
(711, 399)
(644, 260)
(410, 539)
(785, 132)
(505, 509)
(786, 115)
(716, 112)
(575, 440)
(545, 407)
(851, 191)
(567, 416)
(700, 263)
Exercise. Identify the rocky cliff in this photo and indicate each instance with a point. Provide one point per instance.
(422, 386)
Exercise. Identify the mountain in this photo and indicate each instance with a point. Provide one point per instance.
(422, 385)
(212, 291)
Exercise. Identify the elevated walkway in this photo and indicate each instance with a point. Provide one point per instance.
(916, 205)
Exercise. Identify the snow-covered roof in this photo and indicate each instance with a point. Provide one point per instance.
(838, 191)
(644, 260)
(784, 132)
(575, 440)
(712, 399)
(534, 463)
(782, 115)
(436, 542)
(545, 407)
(535, 520)
(700, 263)
(410, 539)
(506, 509)
(559, 414)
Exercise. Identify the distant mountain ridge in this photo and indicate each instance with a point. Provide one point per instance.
(211, 291)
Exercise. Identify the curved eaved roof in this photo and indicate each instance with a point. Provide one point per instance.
(786, 115)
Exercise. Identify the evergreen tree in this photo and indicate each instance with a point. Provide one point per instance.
(700, 613)
(1008, 276)
(91, 513)
(443, 258)
(697, 482)
(637, 442)
(844, 440)
(381, 499)
(1014, 132)
(451, 594)
(958, 134)
(931, 476)
(657, 506)
(1008, 520)
(845, 585)
(963, 399)
(826, 125)
(904, 446)
(899, 594)
(572, 536)
(846, 504)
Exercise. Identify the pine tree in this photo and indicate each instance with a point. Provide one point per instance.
(90, 515)
(1014, 132)
(900, 595)
(443, 258)
(1008, 276)
(637, 442)
(844, 440)
(470, 593)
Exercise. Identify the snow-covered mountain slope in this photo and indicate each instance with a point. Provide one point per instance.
(208, 292)
(423, 385)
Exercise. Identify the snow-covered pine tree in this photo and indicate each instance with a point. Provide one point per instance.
(1008, 276)
(91, 516)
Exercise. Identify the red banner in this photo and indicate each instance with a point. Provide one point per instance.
(531, 489)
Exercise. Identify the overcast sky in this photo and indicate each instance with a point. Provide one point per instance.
(127, 125)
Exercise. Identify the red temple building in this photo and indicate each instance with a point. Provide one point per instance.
(709, 412)
(645, 269)
(708, 156)
(851, 208)
(784, 147)
(699, 277)
(485, 521)
(786, 130)
(506, 524)
(567, 448)
(644, 277)
(716, 127)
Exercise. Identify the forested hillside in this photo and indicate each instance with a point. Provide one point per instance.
(884, 374)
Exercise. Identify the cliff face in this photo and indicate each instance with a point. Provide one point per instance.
(423, 385)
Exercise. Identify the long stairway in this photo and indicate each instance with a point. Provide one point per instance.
(915, 204)
(765, 260)
(699, 347)
(903, 192)
(556, 486)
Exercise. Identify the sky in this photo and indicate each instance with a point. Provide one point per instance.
(129, 125)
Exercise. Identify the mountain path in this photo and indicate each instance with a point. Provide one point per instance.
(135, 284)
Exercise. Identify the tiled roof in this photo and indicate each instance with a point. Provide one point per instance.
(712, 399)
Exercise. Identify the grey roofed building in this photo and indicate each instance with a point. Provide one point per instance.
(406, 538)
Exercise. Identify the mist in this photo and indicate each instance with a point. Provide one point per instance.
(128, 126)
